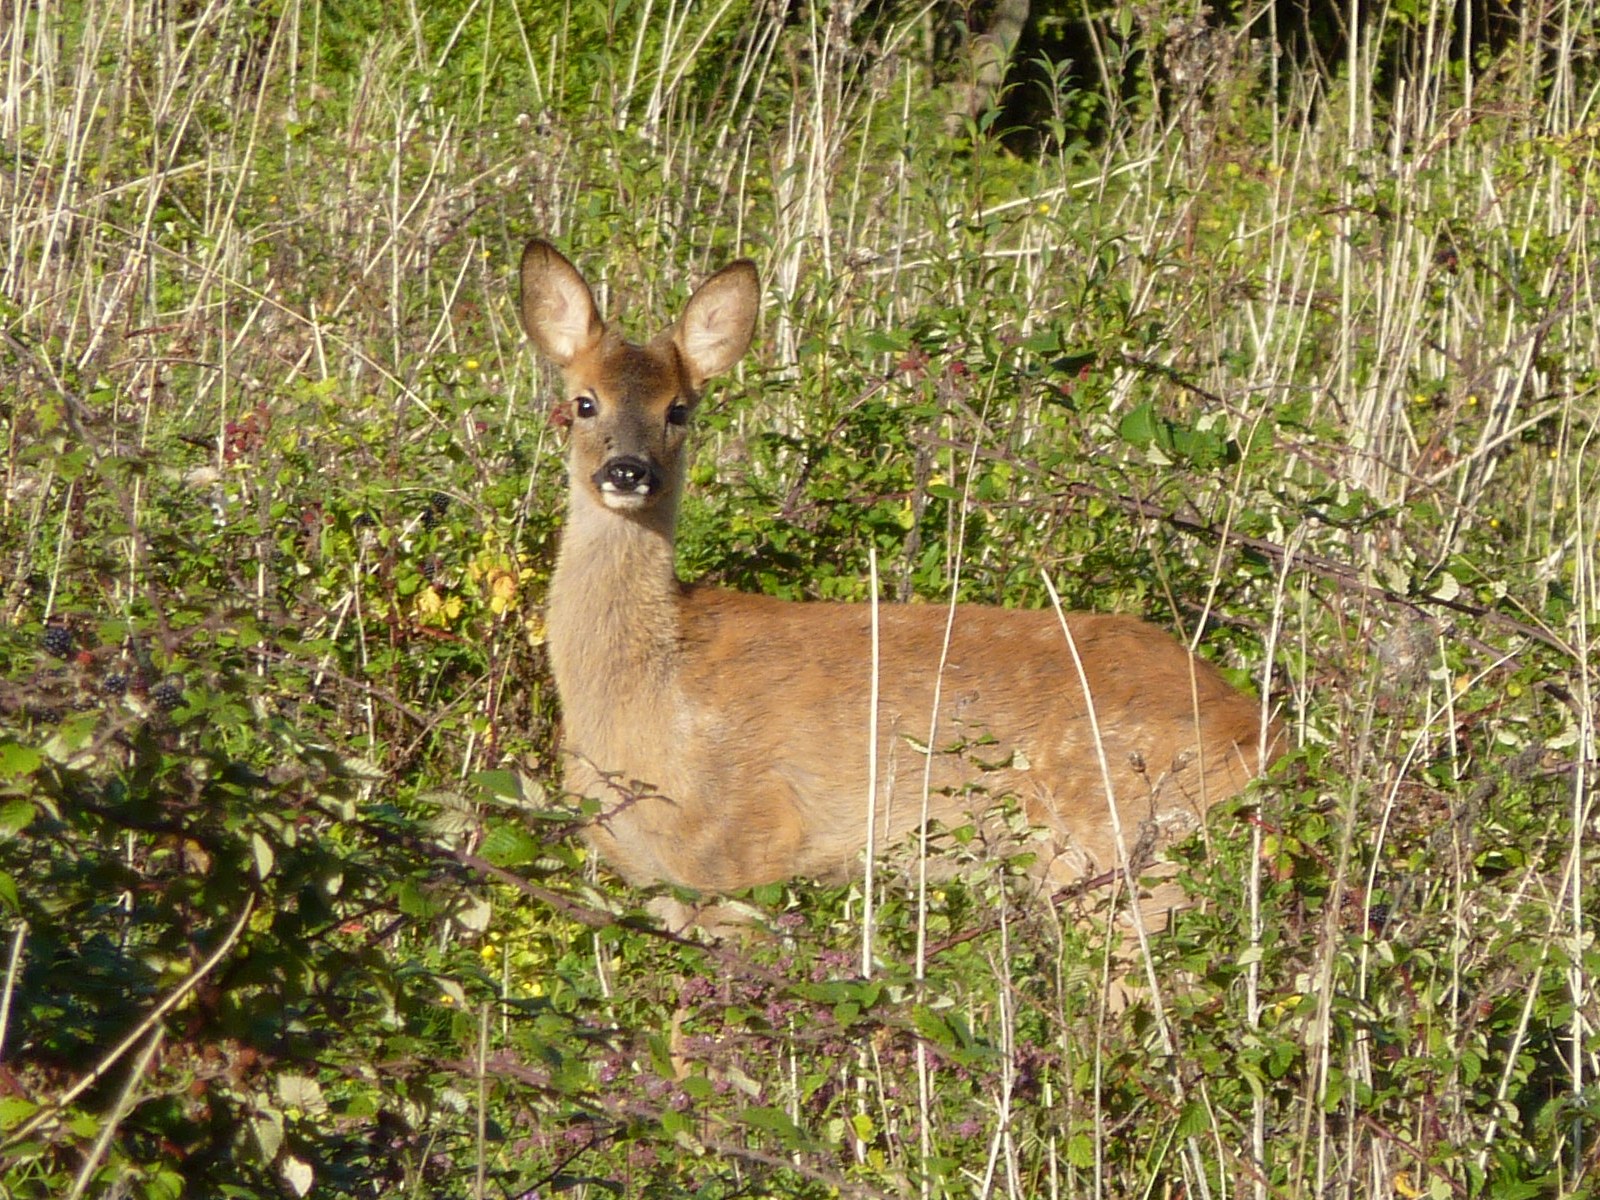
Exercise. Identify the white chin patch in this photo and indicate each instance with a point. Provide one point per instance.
(623, 500)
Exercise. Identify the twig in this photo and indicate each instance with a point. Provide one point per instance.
(174, 998)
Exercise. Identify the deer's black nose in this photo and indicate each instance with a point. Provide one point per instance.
(628, 474)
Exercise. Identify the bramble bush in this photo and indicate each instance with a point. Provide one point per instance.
(1297, 367)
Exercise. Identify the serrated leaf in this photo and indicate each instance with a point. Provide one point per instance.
(17, 759)
(504, 785)
(1080, 1151)
(74, 735)
(776, 1121)
(1192, 1121)
(509, 845)
(362, 768)
(301, 1092)
(15, 816)
(267, 1129)
(450, 823)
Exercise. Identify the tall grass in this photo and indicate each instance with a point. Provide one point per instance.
(1299, 365)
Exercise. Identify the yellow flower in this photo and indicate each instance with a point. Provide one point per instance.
(434, 609)
(502, 590)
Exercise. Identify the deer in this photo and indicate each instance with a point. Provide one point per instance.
(723, 740)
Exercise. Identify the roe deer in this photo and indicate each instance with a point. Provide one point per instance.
(724, 735)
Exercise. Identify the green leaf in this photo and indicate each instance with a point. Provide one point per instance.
(1139, 425)
(507, 844)
(17, 759)
(14, 1110)
(1080, 1151)
(504, 785)
(261, 852)
(1193, 1121)
(414, 900)
(15, 816)
(775, 1121)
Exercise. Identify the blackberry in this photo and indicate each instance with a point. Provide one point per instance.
(57, 640)
(439, 502)
(364, 520)
(428, 517)
(166, 695)
(114, 685)
(432, 568)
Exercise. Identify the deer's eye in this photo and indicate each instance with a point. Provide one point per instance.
(678, 414)
(586, 406)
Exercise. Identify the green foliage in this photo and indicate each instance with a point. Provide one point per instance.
(291, 900)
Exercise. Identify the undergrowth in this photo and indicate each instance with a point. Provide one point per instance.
(1298, 365)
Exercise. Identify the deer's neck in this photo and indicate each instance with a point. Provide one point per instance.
(612, 620)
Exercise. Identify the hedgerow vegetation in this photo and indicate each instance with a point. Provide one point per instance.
(1278, 331)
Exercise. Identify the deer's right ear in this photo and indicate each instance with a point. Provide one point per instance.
(558, 310)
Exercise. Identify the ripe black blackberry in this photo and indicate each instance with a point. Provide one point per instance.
(57, 640)
(434, 507)
(166, 695)
(114, 685)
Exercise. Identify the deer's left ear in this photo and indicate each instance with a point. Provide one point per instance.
(719, 321)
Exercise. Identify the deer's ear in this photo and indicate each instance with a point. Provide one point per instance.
(558, 309)
(718, 322)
